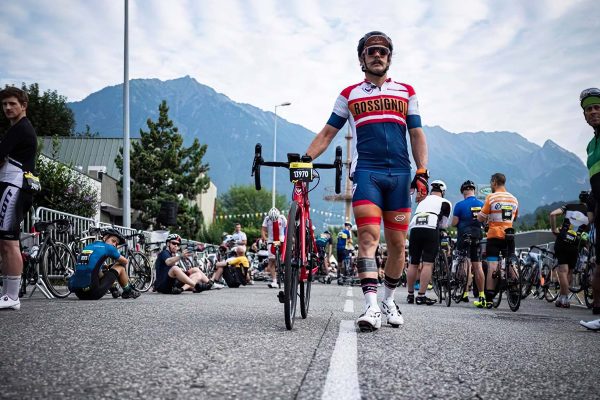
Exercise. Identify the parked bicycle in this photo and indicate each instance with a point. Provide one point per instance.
(300, 248)
(441, 275)
(139, 268)
(461, 268)
(508, 275)
(536, 268)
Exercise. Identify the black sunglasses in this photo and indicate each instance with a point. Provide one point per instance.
(372, 50)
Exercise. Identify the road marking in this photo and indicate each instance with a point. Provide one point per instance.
(349, 306)
(342, 376)
(349, 292)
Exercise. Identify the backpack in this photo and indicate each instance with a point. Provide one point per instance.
(82, 278)
(233, 276)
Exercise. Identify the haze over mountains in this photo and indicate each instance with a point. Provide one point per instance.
(536, 175)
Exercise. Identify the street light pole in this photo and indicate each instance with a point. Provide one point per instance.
(287, 103)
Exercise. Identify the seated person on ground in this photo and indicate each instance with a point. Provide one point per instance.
(241, 261)
(93, 277)
(170, 278)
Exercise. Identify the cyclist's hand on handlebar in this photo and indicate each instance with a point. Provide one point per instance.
(306, 158)
(420, 184)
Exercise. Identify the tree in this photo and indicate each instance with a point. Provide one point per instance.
(63, 188)
(48, 113)
(243, 204)
(162, 169)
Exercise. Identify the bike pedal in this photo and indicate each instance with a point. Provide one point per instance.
(280, 297)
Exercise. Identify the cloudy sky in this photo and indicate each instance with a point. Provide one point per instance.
(476, 65)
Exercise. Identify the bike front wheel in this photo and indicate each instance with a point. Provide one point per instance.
(140, 271)
(514, 281)
(291, 266)
(58, 265)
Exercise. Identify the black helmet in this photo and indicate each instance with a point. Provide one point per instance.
(113, 232)
(327, 233)
(584, 196)
(379, 38)
(466, 185)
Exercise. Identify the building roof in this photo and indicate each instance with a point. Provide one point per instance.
(85, 151)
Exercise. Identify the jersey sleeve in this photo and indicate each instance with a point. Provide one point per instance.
(485, 209)
(113, 252)
(413, 117)
(340, 112)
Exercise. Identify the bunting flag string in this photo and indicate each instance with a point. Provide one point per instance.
(263, 214)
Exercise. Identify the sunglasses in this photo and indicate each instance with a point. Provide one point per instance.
(372, 50)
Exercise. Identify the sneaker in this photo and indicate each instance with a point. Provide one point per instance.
(176, 290)
(132, 293)
(425, 300)
(562, 303)
(7, 302)
(591, 325)
(201, 287)
(410, 299)
(489, 304)
(391, 310)
(465, 299)
(115, 292)
(250, 282)
(370, 320)
(217, 286)
(273, 285)
(481, 303)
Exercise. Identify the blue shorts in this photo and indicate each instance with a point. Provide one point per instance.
(388, 192)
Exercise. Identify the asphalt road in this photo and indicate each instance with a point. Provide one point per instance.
(232, 344)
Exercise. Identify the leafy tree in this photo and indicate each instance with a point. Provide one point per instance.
(248, 206)
(162, 169)
(48, 113)
(63, 188)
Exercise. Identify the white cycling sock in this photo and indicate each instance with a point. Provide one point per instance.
(3, 285)
(12, 284)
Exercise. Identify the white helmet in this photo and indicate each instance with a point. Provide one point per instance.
(273, 214)
(438, 186)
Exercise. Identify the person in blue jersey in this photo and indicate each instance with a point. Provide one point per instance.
(382, 114)
(324, 246)
(94, 276)
(465, 219)
(344, 241)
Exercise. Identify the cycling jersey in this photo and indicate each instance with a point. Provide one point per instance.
(241, 261)
(86, 282)
(501, 209)
(323, 241)
(239, 237)
(593, 153)
(17, 152)
(343, 237)
(277, 226)
(431, 213)
(379, 119)
(466, 211)
(575, 221)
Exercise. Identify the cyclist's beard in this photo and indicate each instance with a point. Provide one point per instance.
(382, 73)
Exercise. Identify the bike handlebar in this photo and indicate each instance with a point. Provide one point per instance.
(258, 161)
(543, 250)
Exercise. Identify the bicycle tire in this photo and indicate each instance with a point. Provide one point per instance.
(459, 283)
(436, 281)
(513, 283)
(499, 289)
(139, 271)
(527, 276)
(305, 289)
(58, 265)
(447, 281)
(587, 290)
(279, 267)
(291, 268)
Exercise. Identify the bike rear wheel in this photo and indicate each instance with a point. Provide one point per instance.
(513, 283)
(459, 283)
(140, 271)
(58, 265)
(588, 274)
(291, 267)
(306, 285)
(527, 275)
(447, 281)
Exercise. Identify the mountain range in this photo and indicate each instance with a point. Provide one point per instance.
(537, 175)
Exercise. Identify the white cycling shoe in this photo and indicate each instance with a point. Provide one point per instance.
(370, 320)
(7, 302)
(591, 325)
(392, 312)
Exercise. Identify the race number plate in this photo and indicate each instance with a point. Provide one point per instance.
(301, 172)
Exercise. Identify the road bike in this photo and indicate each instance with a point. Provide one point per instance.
(299, 250)
(536, 268)
(139, 268)
(441, 275)
(508, 274)
(461, 269)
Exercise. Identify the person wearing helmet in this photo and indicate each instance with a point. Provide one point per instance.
(170, 277)
(17, 156)
(590, 103)
(93, 278)
(431, 215)
(273, 233)
(381, 113)
(343, 247)
(465, 219)
(569, 239)
(325, 245)
(500, 209)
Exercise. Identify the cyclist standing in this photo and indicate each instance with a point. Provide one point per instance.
(344, 242)
(380, 111)
(465, 218)
(500, 209)
(324, 246)
(17, 156)
(590, 102)
(431, 215)
(273, 230)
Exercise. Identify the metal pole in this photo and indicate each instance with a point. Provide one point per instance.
(274, 159)
(126, 181)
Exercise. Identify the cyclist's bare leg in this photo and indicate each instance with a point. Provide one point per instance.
(395, 230)
(479, 276)
(122, 273)
(490, 283)
(368, 218)
(12, 262)
(411, 277)
(425, 277)
(177, 273)
(271, 270)
(196, 276)
(563, 279)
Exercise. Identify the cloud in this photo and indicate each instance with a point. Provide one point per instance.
(476, 65)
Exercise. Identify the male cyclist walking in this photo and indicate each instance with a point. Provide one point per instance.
(380, 111)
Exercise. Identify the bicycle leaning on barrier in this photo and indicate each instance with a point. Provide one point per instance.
(300, 253)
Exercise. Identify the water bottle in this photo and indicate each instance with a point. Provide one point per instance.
(34, 251)
(454, 265)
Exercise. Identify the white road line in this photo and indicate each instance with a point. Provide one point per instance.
(342, 376)
(349, 306)
(349, 292)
